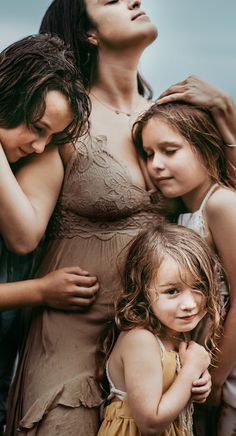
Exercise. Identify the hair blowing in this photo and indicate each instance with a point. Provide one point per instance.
(30, 68)
(197, 125)
(145, 256)
(70, 21)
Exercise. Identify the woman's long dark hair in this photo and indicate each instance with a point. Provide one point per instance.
(70, 20)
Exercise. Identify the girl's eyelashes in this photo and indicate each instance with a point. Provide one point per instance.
(36, 128)
(172, 291)
(169, 151)
(166, 151)
(175, 290)
(111, 1)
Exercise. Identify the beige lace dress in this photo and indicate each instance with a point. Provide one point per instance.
(99, 211)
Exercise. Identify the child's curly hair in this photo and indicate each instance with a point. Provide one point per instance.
(145, 255)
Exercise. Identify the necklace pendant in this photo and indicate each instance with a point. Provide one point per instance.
(117, 112)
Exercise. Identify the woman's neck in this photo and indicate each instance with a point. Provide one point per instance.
(116, 83)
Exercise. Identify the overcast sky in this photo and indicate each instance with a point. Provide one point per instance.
(195, 37)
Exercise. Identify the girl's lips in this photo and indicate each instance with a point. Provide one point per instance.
(187, 318)
(163, 179)
(23, 153)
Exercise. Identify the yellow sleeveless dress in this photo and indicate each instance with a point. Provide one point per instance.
(118, 420)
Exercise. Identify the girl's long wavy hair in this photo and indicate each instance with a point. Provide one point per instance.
(145, 256)
(197, 125)
(69, 20)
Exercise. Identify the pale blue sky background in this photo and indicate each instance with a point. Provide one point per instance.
(195, 37)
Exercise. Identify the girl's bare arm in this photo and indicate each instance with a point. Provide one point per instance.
(27, 200)
(152, 410)
(221, 216)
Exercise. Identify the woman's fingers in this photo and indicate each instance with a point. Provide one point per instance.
(169, 98)
(174, 89)
(197, 92)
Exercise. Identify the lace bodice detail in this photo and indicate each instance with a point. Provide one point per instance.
(98, 194)
(194, 221)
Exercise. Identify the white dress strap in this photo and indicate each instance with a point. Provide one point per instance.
(206, 198)
(162, 347)
(114, 392)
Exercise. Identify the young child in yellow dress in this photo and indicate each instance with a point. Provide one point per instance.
(186, 159)
(153, 371)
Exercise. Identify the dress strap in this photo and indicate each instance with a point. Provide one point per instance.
(207, 196)
(162, 347)
(114, 392)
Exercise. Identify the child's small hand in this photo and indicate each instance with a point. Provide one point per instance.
(201, 388)
(68, 288)
(194, 357)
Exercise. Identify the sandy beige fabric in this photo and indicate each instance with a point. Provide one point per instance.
(98, 213)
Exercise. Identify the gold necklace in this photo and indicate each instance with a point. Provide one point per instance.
(115, 110)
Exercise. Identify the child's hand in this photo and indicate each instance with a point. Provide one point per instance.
(194, 357)
(201, 388)
(68, 289)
